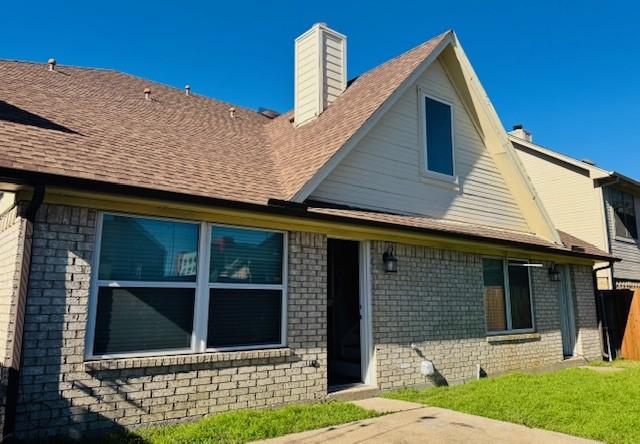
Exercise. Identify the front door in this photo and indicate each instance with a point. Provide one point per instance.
(567, 314)
(343, 313)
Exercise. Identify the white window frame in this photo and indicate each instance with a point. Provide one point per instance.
(424, 148)
(507, 298)
(201, 286)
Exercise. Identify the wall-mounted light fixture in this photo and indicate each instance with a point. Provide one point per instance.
(554, 273)
(390, 260)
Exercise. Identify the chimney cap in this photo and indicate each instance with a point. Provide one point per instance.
(52, 64)
(518, 126)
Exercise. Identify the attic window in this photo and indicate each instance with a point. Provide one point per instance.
(438, 136)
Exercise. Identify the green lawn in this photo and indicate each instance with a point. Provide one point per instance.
(247, 425)
(580, 402)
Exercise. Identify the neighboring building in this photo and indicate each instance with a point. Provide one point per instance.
(383, 223)
(601, 207)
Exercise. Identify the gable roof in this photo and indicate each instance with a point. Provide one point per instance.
(90, 124)
(302, 152)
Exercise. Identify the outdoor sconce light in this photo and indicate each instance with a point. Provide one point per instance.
(554, 273)
(390, 260)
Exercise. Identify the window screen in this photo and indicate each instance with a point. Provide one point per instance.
(136, 319)
(241, 317)
(507, 298)
(494, 295)
(626, 224)
(438, 137)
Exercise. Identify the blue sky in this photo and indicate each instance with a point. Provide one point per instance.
(567, 70)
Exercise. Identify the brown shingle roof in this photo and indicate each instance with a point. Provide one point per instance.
(96, 124)
(477, 231)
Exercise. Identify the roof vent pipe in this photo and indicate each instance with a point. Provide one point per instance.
(147, 94)
(52, 64)
(187, 90)
(232, 113)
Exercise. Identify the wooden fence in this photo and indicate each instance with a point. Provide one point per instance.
(619, 316)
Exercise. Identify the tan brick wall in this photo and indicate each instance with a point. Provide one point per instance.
(59, 393)
(436, 301)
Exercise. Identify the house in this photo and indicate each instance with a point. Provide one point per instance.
(382, 234)
(602, 207)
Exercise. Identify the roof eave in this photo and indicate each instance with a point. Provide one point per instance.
(283, 208)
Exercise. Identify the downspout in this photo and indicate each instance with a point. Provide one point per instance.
(29, 214)
(604, 324)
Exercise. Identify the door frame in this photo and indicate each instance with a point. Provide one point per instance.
(366, 314)
(567, 310)
(367, 367)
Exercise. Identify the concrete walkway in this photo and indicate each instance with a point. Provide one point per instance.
(415, 423)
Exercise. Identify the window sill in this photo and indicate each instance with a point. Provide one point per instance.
(440, 180)
(626, 240)
(186, 359)
(515, 337)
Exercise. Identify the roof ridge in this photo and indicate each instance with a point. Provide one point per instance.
(373, 68)
(138, 77)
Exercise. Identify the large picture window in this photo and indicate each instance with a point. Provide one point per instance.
(507, 295)
(626, 224)
(164, 286)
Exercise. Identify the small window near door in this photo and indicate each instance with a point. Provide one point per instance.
(438, 138)
(626, 224)
(507, 296)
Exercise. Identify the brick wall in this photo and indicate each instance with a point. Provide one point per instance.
(60, 393)
(436, 301)
(588, 337)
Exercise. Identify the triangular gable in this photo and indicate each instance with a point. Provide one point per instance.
(305, 153)
(487, 124)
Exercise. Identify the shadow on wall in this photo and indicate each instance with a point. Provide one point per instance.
(435, 300)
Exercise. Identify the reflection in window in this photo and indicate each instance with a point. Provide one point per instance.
(626, 224)
(439, 136)
(507, 304)
(137, 249)
(242, 255)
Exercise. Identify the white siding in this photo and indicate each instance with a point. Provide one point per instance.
(307, 77)
(321, 71)
(626, 249)
(573, 203)
(334, 68)
(383, 172)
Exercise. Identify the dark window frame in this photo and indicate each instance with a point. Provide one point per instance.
(506, 262)
(625, 220)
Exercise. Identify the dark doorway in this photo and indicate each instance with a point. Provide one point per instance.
(343, 313)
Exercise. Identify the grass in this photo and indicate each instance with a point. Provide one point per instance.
(246, 425)
(580, 402)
